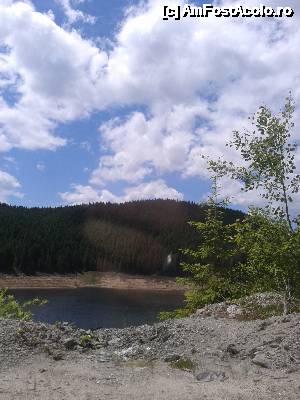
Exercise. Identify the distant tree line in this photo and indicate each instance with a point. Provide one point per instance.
(135, 237)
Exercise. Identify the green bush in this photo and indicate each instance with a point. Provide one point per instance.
(272, 253)
(183, 363)
(11, 308)
(86, 341)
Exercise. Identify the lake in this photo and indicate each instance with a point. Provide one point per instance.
(91, 308)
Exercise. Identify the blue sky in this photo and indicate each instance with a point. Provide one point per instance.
(105, 101)
(71, 163)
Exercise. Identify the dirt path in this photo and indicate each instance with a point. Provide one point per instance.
(84, 379)
(90, 279)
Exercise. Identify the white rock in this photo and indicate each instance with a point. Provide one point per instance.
(233, 310)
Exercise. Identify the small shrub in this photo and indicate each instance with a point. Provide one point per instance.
(86, 341)
(20, 331)
(90, 277)
(184, 364)
(11, 308)
(178, 313)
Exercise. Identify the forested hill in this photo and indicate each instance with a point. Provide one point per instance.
(134, 237)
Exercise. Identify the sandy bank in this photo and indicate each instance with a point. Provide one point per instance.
(90, 279)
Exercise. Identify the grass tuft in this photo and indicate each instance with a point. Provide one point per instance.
(184, 363)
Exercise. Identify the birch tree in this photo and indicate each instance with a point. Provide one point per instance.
(270, 234)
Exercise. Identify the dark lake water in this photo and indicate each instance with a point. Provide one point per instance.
(92, 308)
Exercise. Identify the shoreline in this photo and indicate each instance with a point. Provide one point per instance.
(188, 358)
(108, 280)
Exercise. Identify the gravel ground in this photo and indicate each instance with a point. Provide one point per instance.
(200, 357)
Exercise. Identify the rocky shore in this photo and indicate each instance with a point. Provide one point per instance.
(209, 353)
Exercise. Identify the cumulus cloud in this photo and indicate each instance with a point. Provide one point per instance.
(141, 144)
(198, 80)
(194, 80)
(47, 76)
(74, 15)
(9, 186)
(152, 190)
(87, 194)
(149, 190)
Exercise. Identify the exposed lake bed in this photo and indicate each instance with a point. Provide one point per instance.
(111, 280)
(190, 358)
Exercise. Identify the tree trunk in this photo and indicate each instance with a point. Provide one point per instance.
(287, 298)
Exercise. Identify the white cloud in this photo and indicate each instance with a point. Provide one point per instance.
(198, 80)
(232, 191)
(51, 72)
(9, 186)
(73, 15)
(142, 144)
(87, 194)
(9, 159)
(150, 190)
(40, 167)
(195, 81)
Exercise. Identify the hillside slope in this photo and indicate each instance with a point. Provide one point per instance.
(134, 237)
